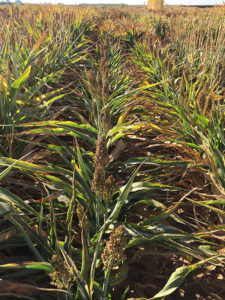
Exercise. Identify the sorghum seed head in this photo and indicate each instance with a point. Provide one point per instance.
(101, 153)
(100, 162)
(98, 181)
(82, 217)
(113, 254)
(108, 190)
(61, 276)
(106, 120)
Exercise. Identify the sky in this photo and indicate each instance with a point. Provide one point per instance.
(194, 2)
(132, 2)
(139, 2)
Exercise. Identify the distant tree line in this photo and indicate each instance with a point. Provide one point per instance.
(102, 4)
(8, 2)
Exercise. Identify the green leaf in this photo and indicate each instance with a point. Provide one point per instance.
(85, 269)
(82, 285)
(27, 239)
(5, 208)
(9, 198)
(83, 167)
(174, 282)
(69, 215)
(121, 200)
(42, 266)
(6, 171)
(17, 83)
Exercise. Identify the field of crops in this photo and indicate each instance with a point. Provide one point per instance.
(112, 168)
